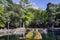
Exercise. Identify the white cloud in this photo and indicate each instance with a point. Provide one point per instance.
(17, 3)
(33, 5)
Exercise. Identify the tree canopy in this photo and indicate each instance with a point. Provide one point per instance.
(19, 16)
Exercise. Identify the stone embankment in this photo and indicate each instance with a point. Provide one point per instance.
(19, 31)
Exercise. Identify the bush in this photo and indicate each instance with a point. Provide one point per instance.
(29, 35)
(38, 35)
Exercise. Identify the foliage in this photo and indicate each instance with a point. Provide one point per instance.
(53, 11)
(19, 15)
(38, 35)
(30, 34)
(2, 16)
(34, 35)
(40, 17)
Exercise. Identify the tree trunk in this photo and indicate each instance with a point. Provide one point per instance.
(23, 25)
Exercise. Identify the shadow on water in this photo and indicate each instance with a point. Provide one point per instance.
(16, 37)
(11, 37)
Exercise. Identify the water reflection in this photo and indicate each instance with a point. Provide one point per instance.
(48, 36)
(11, 37)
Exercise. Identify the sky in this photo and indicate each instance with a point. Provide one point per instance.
(42, 4)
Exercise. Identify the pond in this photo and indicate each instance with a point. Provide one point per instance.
(51, 35)
(11, 37)
(44, 37)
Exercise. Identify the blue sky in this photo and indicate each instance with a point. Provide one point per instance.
(42, 4)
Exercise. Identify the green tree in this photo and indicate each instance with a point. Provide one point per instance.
(13, 18)
(51, 9)
(2, 16)
(40, 18)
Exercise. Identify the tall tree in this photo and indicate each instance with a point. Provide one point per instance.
(51, 9)
(40, 18)
(2, 16)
